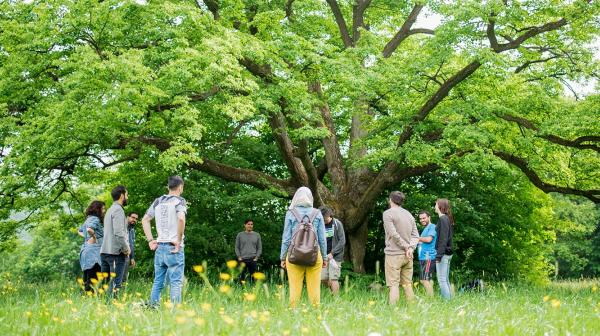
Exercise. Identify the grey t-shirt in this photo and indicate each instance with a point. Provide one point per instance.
(167, 210)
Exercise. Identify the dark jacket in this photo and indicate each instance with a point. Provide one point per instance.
(444, 232)
(339, 241)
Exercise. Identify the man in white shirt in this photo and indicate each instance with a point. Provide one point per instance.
(169, 212)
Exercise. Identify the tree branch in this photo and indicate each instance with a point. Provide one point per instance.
(339, 19)
(576, 143)
(289, 10)
(358, 18)
(333, 156)
(592, 195)
(405, 31)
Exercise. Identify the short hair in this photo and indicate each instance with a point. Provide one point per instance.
(397, 197)
(117, 192)
(326, 211)
(424, 212)
(248, 221)
(131, 213)
(174, 182)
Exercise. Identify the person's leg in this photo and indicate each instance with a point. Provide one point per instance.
(313, 281)
(425, 272)
(176, 265)
(392, 277)
(295, 279)
(325, 276)
(160, 270)
(334, 276)
(406, 272)
(126, 269)
(119, 269)
(108, 267)
(442, 269)
(87, 278)
(251, 265)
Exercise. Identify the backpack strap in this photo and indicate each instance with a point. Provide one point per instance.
(313, 215)
(296, 215)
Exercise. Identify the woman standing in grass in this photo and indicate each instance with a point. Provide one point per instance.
(300, 209)
(444, 231)
(92, 232)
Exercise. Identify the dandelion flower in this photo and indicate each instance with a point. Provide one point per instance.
(594, 288)
(199, 322)
(80, 281)
(232, 264)
(370, 317)
(225, 289)
(113, 274)
(198, 269)
(304, 330)
(94, 281)
(69, 301)
(206, 307)
(555, 303)
(28, 314)
(225, 276)
(180, 319)
(228, 319)
(259, 276)
(546, 298)
(249, 296)
(168, 304)
(371, 302)
(101, 291)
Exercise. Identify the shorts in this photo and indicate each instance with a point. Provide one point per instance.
(331, 273)
(398, 270)
(426, 269)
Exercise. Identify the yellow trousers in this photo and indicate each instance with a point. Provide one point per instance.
(296, 276)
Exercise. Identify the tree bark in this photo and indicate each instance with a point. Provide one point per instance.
(357, 245)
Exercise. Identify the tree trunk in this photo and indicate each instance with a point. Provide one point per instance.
(357, 244)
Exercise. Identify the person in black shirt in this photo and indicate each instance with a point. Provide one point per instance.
(443, 246)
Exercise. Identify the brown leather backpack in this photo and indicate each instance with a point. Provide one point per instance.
(304, 248)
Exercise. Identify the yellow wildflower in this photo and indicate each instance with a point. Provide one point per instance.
(69, 301)
(555, 303)
(198, 268)
(101, 291)
(249, 296)
(370, 317)
(100, 275)
(232, 264)
(138, 294)
(105, 286)
(113, 274)
(225, 276)
(304, 330)
(190, 313)
(546, 298)
(225, 289)
(180, 319)
(28, 314)
(89, 293)
(168, 304)
(594, 288)
(206, 307)
(199, 322)
(259, 276)
(80, 281)
(94, 281)
(74, 310)
(105, 274)
(228, 319)
(371, 302)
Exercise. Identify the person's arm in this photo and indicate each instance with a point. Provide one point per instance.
(341, 241)
(152, 243)
(414, 239)
(180, 230)
(426, 239)
(131, 246)
(286, 237)
(442, 238)
(258, 247)
(390, 229)
(238, 242)
(321, 236)
(119, 223)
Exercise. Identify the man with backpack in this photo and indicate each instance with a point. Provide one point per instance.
(303, 247)
(169, 211)
(336, 240)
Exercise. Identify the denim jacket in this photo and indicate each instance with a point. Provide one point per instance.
(290, 226)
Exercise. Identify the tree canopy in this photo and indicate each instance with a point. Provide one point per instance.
(350, 98)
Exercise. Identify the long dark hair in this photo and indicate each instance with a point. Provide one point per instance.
(444, 206)
(95, 209)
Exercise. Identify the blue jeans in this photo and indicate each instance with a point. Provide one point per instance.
(167, 264)
(442, 269)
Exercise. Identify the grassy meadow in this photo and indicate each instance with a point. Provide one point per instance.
(59, 308)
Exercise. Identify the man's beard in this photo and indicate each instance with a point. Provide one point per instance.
(125, 202)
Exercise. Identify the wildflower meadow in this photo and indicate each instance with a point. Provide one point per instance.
(223, 307)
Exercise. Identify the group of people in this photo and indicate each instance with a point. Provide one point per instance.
(109, 240)
(312, 246)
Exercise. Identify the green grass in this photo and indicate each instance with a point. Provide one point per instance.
(57, 308)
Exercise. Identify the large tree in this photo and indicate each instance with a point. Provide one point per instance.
(349, 98)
